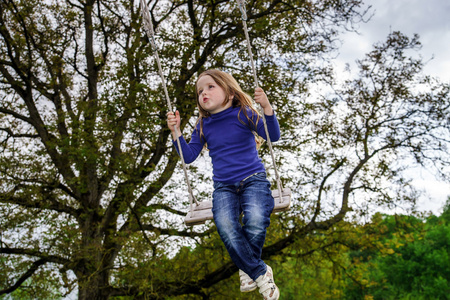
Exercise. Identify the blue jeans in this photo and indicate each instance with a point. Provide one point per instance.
(244, 242)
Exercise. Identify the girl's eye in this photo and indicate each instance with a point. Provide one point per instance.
(200, 91)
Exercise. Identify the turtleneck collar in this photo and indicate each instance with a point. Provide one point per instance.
(222, 113)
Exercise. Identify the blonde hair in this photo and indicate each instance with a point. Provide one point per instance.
(231, 88)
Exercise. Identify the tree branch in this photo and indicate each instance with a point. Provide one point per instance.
(322, 184)
(34, 267)
(15, 114)
(174, 232)
(18, 135)
(32, 252)
(166, 208)
(52, 204)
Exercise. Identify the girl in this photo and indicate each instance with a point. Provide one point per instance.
(226, 123)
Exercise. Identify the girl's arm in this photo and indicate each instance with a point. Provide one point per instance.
(191, 150)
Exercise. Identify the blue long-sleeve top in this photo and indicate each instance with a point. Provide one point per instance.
(231, 143)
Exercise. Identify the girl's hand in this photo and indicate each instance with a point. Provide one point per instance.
(261, 98)
(172, 121)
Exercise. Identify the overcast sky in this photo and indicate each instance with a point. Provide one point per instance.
(431, 20)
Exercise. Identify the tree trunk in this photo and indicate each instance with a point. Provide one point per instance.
(94, 262)
(93, 286)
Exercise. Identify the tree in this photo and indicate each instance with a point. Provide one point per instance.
(364, 132)
(85, 151)
(412, 264)
(86, 165)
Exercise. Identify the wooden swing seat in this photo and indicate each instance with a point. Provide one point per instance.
(203, 211)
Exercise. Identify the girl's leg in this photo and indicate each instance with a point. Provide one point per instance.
(226, 211)
(257, 204)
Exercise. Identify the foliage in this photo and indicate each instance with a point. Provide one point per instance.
(89, 190)
(413, 262)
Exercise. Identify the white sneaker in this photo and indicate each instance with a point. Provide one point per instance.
(247, 284)
(267, 287)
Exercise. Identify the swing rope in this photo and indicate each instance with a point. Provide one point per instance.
(255, 78)
(148, 26)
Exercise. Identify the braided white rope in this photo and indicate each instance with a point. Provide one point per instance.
(148, 26)
(244, 22)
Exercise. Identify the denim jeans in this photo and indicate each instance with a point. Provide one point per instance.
(244, 242)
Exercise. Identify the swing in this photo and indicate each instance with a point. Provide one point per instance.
(200, 212)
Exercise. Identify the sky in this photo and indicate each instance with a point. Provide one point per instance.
(431, 21)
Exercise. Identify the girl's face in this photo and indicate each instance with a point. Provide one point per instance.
(211, 96)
